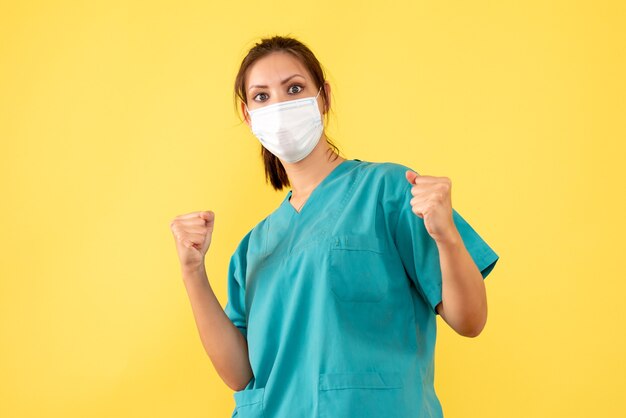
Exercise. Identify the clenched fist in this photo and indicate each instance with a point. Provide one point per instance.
(192, 233)
(433, 203)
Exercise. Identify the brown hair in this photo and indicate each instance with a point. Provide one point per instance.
(274, 171)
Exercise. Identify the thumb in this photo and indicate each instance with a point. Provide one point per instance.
(206, 215)
(411, 176)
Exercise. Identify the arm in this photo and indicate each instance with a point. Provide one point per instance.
(223, 342)
(463, 290)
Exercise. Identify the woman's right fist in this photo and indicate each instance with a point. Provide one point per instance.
(192, 233)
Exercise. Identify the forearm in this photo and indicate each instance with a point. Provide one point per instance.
(223, 342)
(464, 297)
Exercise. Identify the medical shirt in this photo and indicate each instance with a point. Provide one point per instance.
(337, 301)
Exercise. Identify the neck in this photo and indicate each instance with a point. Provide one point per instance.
(307, 173)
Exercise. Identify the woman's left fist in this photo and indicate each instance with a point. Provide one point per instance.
(432, 202)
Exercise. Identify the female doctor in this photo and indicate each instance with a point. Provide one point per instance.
(332, 297)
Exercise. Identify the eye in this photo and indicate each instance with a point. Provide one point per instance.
(290, 90)
(260, 94)
(296, 85)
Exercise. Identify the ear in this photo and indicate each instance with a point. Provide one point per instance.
(327, 90)
(246, 116)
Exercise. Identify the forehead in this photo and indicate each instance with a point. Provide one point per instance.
(275, 67)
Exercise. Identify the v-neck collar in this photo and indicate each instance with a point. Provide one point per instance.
(343, 166)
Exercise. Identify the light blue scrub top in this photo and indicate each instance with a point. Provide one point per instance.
(338, 301)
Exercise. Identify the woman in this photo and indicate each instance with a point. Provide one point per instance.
(333, 297)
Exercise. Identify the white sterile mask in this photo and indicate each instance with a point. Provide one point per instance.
(289, 130)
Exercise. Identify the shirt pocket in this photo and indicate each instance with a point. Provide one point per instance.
(357, 270)
(249, 403)
(361, 394)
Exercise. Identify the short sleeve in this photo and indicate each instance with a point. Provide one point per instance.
(235, 307)
(420, 255)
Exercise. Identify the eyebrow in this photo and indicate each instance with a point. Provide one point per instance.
(282, 82)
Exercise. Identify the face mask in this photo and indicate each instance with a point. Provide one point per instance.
(289, 130)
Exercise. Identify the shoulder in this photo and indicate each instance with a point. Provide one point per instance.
(390, 176)
(385, 169)
(251, 238)
(254, 240)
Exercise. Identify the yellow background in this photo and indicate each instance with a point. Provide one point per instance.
(115, 118)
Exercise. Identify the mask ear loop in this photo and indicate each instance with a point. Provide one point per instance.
(319, 91)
